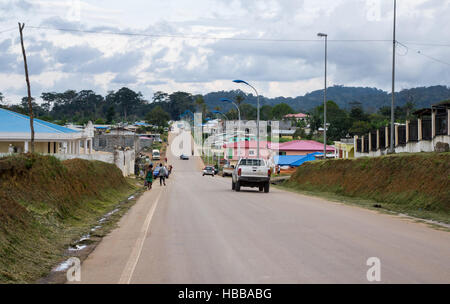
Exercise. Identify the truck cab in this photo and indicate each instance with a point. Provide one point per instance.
(251, 172)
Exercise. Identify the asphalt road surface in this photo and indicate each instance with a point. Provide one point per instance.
(196, 230)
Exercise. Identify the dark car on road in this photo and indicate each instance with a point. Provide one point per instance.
(208, 170)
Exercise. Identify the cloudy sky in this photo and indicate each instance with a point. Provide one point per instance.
(201, 45)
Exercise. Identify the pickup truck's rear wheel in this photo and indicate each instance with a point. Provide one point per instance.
(238, 186)
(266, 187)
(233, 185)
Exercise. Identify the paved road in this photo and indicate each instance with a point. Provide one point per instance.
(196, 230)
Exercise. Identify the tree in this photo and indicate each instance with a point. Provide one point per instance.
(360, 128)
(160, 97)
(127, 99)
(200, 104)
(281, 110)
(265, 112)
(158, 117)
(49, 99)
(1, 98)
(248, 112)
(239, 100)
(357, 114)
(110, 115)
(299, 133)
(338, 122)
(99, 121)
(180, 102)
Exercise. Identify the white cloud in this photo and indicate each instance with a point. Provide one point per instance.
(61, 60)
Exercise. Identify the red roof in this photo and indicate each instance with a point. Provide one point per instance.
(295, 145)
(303, 145)
(298, 115)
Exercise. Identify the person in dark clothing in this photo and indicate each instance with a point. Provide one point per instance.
(149, 177)
(162, 175)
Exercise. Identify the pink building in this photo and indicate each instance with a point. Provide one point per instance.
(248, 149)
(297, 116)
(302, 147)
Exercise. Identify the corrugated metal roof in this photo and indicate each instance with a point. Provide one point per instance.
(304, 145)
(12, 122)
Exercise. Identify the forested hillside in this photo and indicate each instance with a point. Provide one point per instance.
(128, 105)
(371, 99)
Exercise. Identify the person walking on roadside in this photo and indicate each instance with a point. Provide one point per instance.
(149, 177)
(162, 175)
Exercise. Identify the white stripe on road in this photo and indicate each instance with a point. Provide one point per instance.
(128, 271)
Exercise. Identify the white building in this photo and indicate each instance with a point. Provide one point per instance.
(15, 136)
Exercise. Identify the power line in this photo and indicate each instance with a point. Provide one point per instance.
(420, 53)
(8, 30)
(199, 37)
(428, 44)
(432, 58)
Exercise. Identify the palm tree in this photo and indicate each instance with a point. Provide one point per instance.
(239, 100)
(199, 102)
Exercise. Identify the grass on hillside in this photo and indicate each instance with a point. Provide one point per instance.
(45, 205)
(416, 184)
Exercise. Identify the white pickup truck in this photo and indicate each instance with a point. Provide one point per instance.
(251, 172)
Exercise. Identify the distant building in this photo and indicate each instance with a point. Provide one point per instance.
(15, 136)
(345, 148)
(247, 149)
(287, 134)
(302, 147)
(114, 139)
(297, 116)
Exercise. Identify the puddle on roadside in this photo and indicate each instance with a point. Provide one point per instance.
(77, 247)
(96, 228)
(63, 266)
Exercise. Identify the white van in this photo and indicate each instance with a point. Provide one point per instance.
(156, 155)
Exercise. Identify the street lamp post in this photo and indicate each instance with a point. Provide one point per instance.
(257, 114)
(325, 99)
(239, 124)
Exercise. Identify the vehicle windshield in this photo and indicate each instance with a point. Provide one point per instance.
(250, 162)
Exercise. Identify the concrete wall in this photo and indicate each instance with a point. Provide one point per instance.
(107, 142)
(124, 160)
(107, 158)
(410, 147)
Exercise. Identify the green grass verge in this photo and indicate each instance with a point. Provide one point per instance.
(46, 205)
(414, 184)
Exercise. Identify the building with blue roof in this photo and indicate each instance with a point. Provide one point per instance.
(15, 136)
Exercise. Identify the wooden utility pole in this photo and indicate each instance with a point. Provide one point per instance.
(30, 106)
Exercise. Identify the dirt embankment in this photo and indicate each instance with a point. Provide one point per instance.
(45, 204)
(418, 184)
